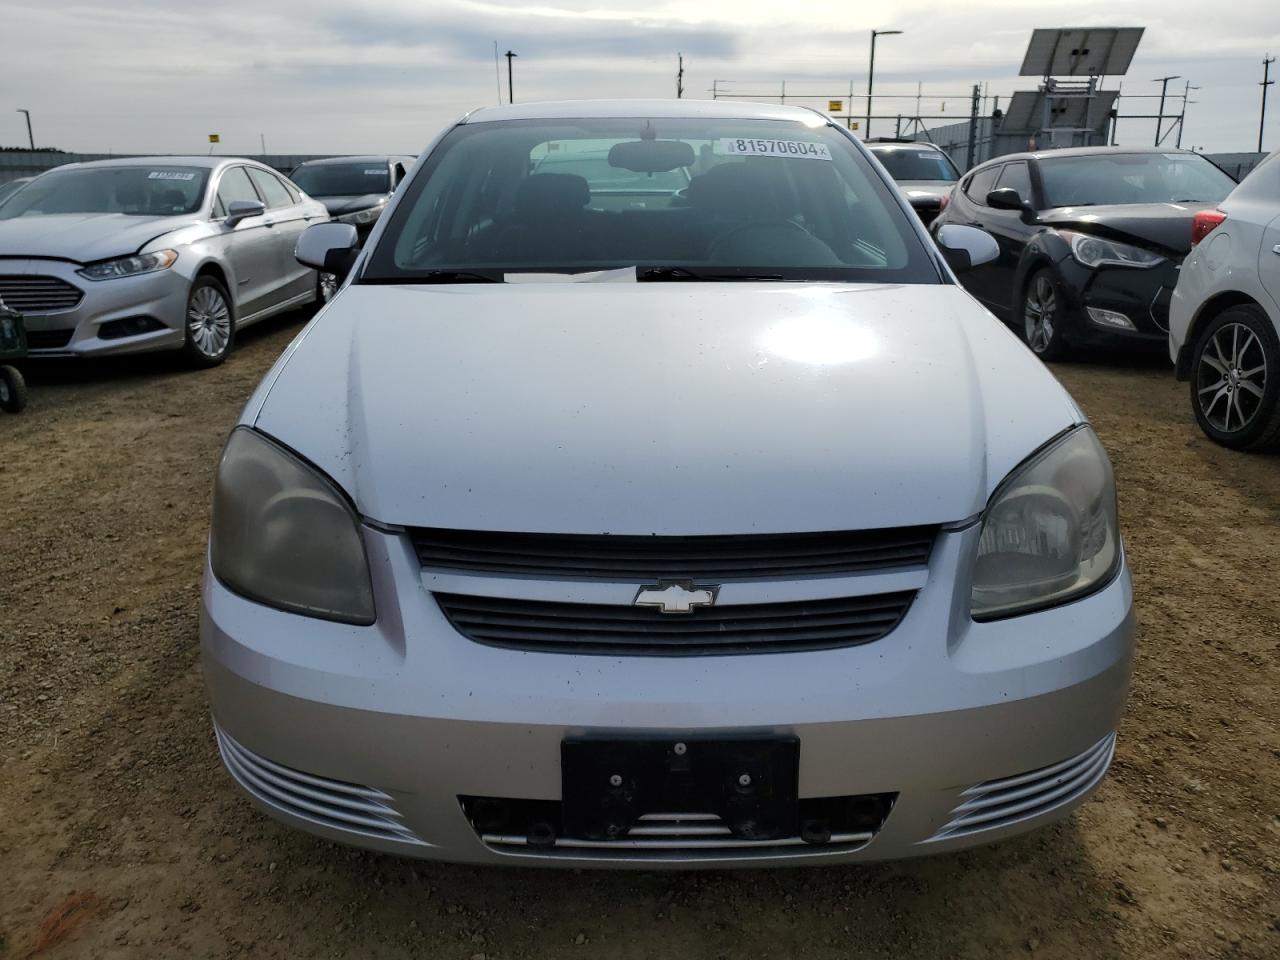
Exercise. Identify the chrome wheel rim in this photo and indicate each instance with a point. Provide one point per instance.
(209, 321)
(1231, 378)
(1041, 305)
(328, 286)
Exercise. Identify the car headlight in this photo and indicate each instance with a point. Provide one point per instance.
(1091, 251)
(1050, 532)
(361, 216)
(130, 266)
(284, 535)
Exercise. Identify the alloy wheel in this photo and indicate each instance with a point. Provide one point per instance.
(328, 286)
(209, 321)
(1231, 378)
(1040, 313)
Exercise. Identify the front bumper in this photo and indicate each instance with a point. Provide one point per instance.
(372, 735)
(1141, 295)
(156, 302)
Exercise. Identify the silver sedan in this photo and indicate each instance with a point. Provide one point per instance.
(125, 256)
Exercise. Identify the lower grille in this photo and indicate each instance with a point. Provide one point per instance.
(615, 629)
(530, 828)
(48, 339)
(1001, 803)
(34, 294)
(333, 804)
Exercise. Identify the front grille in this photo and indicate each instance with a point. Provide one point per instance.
(48, 339)
(716, 558)
(531, 828)
(39, 294)
(615, 629)
(333, 804)
(994, 804)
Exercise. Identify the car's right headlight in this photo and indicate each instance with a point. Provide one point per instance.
(284, 535)
(1050, 532)
(1093, 252)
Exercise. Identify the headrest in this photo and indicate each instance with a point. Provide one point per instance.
(731, 189)
(551, 194)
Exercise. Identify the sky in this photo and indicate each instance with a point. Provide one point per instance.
(322, 76)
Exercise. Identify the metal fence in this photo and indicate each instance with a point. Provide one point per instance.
(15, 164)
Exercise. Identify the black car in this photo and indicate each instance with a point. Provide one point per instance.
(1090, 238)
(354, 189)
(924, 173)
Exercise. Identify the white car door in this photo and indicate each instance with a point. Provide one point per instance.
(249, 245)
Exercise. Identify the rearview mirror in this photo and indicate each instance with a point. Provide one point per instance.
(329, 248)
(1006, 198)
(243, 210)
(650, 156)
(966, 247)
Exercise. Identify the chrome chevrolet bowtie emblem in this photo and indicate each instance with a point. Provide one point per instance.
(675, 596)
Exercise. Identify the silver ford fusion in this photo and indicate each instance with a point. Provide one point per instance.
(123, 256)
(590, 525)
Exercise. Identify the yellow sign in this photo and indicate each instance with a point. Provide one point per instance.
(215, 138)
(854, 125)
(835, 106)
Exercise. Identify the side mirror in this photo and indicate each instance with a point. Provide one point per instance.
(966, 247)
(1007, 198)
(329, 248)
(243, 210)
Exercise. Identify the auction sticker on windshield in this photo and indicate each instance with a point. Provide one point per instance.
(800, 149)
(170, 175)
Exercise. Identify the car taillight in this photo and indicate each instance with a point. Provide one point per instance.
(1204, 223)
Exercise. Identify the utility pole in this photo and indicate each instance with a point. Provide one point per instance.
(1164, 85)
(32, 140)
(871, 74)
(263, 138)
(511, 96)
(1266, 82)
(679, 75)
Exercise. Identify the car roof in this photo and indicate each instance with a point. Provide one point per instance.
(1081, 152)
(362, 158)
(901, 145)
(206, 162)
(643, 109)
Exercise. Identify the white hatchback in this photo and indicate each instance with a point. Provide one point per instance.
(1224, 320)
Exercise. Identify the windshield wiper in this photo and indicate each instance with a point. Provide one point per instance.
(668, 274)
(452, 276)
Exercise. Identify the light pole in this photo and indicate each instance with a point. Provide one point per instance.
(511, 97)
(1266, 82)
(1164, 85)
(871, 74)
(31, 139)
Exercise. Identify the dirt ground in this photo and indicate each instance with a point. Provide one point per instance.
(120, 835)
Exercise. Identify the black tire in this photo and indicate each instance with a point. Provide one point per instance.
(1039, 316)
(1235, 380)
(13, 390)
(209, 329)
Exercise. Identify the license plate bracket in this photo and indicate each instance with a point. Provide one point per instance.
(751, 783)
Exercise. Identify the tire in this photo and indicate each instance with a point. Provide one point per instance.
(13, 390)
(1235, 380)
(1040, 317)
(209, 324)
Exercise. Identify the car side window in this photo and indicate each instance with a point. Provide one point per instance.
(1017, 176)
(271, 189)
(982, 183)
(235, 186)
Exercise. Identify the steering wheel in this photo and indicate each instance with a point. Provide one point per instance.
(772, 236)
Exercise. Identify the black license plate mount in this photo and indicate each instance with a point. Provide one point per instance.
(751, 783)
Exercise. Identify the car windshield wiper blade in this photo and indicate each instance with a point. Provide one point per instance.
(453, 276)
(666, 274)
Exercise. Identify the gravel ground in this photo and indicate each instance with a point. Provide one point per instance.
(120, 836)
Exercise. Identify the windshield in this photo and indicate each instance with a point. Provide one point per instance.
(1132, 178)
(9, 189)
(913, 163)
(142, 191)
(685, 198)
(342, 179)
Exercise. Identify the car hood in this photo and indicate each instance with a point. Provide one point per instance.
(341, 205)
(1163, 225)
(83, 237)
(925, 190)
(684, 408)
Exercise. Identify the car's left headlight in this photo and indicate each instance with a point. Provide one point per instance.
(283, 534)
(1049, 533)
(130, 266)
(361, 217)
(1093, 252)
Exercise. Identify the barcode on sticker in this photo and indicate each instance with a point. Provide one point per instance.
(170, 175)
(800, 149)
